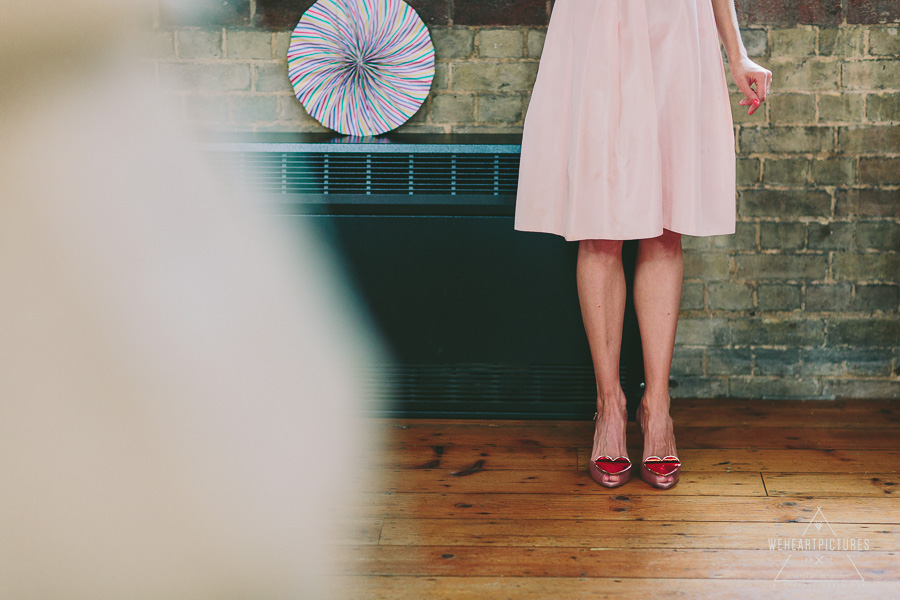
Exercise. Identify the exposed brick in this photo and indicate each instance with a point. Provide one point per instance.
(864, 140)
(698, 387)
(843, 107)
(494, 77)
(843, 41)
(205, 76)
(757, 267)
(729, 361)
(254, 108)
(833, 171)
(197, 43)
(755, 41)
(776, 12)
(205, 13)
(748, 171)
(441, 79)
(870, 74)
(248, 44)
(500, 12)
(778, 332)
(453, 108)
(829, 236)
(861, 388)
(807, 75)
(692, 296)
(873, 11)
(776, 361)
(433, 12)
(729, 295)
(866, 267)
(707, 265)
(272, 77)
(823, 361)
(785, 203)
(500, 43)
(453, 42)
(793, 42)
(694, 243)
(867, 203)
(786, 236)
(291, 111)
(284, 14)
(883, 107)
(857, 362)
(792, 109)
(884, 41)
(828, 296)
(778, 297)
(687, 361)
(281, 43)
(876, 296)
(785, 139)
(534, 45)
(740, 114)
(699, 331)
(869, 331)
(499, 108)
(879, 171)
(878, 235)
(786, 171)
(772, 387)
(743, 238)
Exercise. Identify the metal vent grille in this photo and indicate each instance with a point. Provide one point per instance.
(560, 391)
(367, 173)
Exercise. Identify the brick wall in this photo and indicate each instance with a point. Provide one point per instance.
(801, 302)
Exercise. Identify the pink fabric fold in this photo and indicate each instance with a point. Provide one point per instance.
(629, 127)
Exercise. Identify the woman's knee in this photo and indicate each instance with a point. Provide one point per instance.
(668, 243)
(600, 247)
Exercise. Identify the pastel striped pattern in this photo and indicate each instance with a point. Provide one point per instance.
(361, 67)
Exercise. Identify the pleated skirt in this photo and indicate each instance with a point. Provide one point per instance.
(629, 129)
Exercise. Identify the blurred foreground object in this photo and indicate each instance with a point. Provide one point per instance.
(179, 378)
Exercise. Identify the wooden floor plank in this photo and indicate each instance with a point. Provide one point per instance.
(712, 412)
(568, 434)
(588, 588)
(470, 561)
(626, 506)
(475, 478)
(499, 457)
(699, 459)
(832, 484)
(779, 461)
(539, 533)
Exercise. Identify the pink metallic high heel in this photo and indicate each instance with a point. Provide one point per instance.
(655, 467)
(607, 465)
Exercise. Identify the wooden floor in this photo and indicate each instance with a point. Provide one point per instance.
(507, 509)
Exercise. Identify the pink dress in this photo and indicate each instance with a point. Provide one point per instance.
(629, 127)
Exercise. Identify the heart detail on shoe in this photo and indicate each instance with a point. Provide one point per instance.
(662, 466)
(613, 466)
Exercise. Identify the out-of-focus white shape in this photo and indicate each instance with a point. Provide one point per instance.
(179, 399)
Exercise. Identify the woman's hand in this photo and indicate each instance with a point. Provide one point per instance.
(746, 73)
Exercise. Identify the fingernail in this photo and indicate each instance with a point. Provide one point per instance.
(755, 101)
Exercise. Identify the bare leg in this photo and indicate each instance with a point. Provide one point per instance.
(601, 293)
(657, 296)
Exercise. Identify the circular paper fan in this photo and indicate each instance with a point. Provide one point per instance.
(361, 67)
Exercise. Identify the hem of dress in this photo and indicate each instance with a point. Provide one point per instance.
(579, 237)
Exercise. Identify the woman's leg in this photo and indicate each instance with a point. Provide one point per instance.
(601, 293)
(657, 297)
